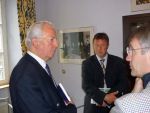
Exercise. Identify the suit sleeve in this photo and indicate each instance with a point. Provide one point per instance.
(122, 82)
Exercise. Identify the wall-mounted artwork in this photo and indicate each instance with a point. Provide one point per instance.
(75, 45)
(137, 5)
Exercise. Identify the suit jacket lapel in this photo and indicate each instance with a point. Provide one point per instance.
(97, 64)
(109, 64)
(42, 70)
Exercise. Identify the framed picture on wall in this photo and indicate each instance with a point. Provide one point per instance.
(75, 45)
(137, 5)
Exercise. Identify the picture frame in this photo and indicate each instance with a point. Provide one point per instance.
(75, 44)
(138, 5)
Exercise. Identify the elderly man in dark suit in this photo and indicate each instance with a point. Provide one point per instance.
(104, 77)
(32, 88)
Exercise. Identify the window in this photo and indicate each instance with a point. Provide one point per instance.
(3, 46)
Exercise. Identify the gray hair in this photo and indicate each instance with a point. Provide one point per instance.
(36, 31)
(143, 35)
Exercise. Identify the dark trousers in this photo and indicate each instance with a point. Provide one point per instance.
(95, 109)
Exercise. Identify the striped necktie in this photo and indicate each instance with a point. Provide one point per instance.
(104, 71)
(102, 65)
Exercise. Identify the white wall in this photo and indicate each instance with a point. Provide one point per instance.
(104, 15)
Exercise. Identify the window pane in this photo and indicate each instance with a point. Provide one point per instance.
(2, 74)
(1, 40)
(2, 77)
(0, 14)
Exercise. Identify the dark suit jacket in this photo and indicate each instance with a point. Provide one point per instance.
(93, 78)
(32, 90)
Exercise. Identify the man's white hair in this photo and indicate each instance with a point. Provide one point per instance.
(36, 31)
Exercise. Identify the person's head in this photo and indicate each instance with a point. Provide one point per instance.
(138, 51)
(100, 44)
(41, 39)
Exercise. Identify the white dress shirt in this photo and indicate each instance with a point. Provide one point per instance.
(38, 59)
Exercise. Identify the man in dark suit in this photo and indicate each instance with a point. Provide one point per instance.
(32, 88)
(104, 77)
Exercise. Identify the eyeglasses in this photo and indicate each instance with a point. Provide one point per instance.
(130, 50)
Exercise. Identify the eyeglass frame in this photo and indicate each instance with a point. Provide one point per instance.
(130, 50)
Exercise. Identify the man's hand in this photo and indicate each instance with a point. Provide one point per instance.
(103, 105)
(111, 97)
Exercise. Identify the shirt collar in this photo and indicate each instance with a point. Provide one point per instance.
(146, 79)
(105, 59)
(38, 59)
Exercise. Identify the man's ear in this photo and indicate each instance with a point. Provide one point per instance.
(148, 57)
(148, 54)
(35, 42)
(107, 45)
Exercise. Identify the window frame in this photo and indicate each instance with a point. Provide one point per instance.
(5, 44)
